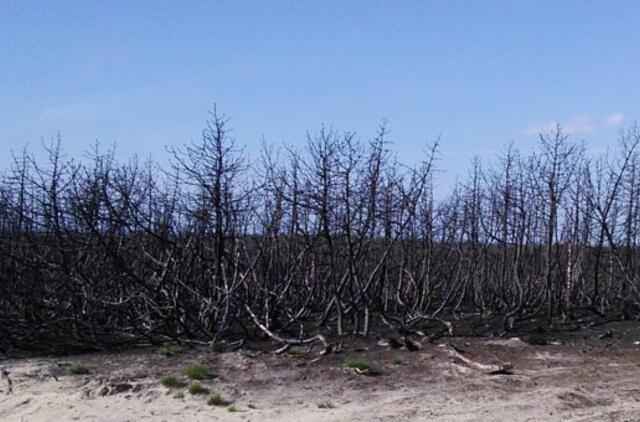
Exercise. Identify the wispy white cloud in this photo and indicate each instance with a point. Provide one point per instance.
(613, 120)
(580, 124)
(576, 124)
(537, 128)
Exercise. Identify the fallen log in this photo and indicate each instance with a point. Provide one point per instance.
(500, 369)
(288, 342)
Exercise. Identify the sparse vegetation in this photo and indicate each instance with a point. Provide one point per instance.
(196, 388)
(361, 365)
(170, 349)
(233, 408)
(197, 371)
(397, 361)
(170, 381)
(79, 368)
(216, 400)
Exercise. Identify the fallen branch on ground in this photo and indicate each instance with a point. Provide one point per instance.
(503, 368)
(288, 342)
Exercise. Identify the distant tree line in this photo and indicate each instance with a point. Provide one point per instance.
(311, 244)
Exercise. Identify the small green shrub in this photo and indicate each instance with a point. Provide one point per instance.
(216, 400)
(362, 365)
(79, 368)
(233, 408)
(197, 371)
(170, 349)
(196, 388)
(397, 361)
(170, 381)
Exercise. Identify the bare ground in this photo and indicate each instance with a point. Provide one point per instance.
(587, 376)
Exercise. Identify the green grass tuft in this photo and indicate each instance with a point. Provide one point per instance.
(79, 368)
(170, 349)
(397, 361)
(361, 365)
(170, 381)
(216, 400)
(232, 408)
(196, 388)
(197, 371)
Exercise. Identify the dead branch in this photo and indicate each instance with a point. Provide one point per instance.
(288, 342)
(500, 369)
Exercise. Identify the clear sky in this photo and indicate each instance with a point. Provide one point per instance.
(142, 74)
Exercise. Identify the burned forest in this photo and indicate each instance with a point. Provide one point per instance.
(314, 245)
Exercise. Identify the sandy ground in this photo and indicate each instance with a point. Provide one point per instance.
(581, 379)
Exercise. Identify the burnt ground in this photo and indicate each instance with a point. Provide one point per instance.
(587, 375)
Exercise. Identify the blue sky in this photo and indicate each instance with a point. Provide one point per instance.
(481, 74)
